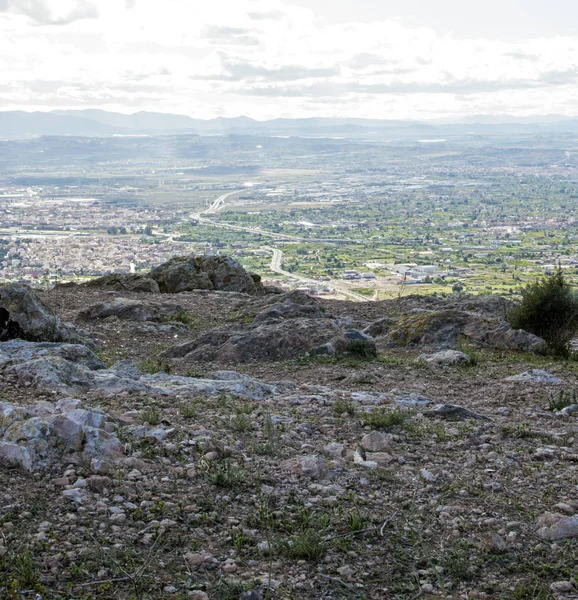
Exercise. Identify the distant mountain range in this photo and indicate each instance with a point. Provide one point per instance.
(93, 122)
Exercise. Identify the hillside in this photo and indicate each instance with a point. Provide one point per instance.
(94, 122)
(222, 444)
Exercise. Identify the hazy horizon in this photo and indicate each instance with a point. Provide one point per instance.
(270, 59)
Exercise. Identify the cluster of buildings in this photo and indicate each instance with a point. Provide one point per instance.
(47, 258)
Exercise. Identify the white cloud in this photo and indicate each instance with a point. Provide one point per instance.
(44, 12)
(266, 58)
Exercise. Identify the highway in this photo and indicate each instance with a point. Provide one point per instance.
(277, 259)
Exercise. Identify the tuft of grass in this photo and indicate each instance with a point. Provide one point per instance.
(150, 415)
(18, 571)
(225, 474)
(386, 419)
(240, 422)
(361, 349)
(355, 521)
(306, 545)
(562, 399)
(181, 316)
(343, 407)
(152, 366)
(271, 446)
(189, 411)
(470, 351)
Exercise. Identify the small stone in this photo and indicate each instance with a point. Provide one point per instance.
(61, 481)
(334, 450)
(75, 495)
(381, 458)
(376, 441)
(346, 571)
(564, 508)
(562, 587)
(427, 475)
(198, 595)
(561, 529)
(196, 559)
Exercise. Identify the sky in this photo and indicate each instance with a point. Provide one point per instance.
(385, 59)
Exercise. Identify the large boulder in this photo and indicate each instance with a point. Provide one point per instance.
(36, 436)
(289, 306)
(291, 326)
(125, 282)
(131, 310)
(24, 316)
(187, 273)
(441, 330)
(71, 369)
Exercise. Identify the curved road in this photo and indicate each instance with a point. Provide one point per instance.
(275, 266)
(277, 259)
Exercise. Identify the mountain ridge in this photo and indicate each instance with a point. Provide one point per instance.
(96, 122)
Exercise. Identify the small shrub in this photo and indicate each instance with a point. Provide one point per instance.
(562, 399)
(150, 415)
(181, 316)
(548, 309)
(240, 422)
(189, 411)
(343, 407)
(469, 350)
(152, 366)
(307, 545)
(225, 475)
(361, 349)
(385, 419)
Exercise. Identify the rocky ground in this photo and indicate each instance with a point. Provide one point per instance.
(336, 470)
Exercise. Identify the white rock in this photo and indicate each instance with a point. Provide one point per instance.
(358, 460)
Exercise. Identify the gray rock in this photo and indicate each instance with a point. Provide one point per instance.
(293, 305)
(24, 316)
(187, 273)
(376, 441)
(288, 326)
(131, 310)
(125, 282)
(563, 528)
(570, 410)
(70, 369)
(535, 376)
(380, 327)
(446, 358)
(268, 341)
(410, 398)
(46, 433)
(441, 329)
(451, 411)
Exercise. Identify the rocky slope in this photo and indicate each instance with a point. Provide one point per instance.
(223, 444)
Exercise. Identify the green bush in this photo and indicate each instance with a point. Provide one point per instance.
(548, 309)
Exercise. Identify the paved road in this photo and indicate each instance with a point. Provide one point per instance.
(277, 261)
(277, 258)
